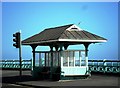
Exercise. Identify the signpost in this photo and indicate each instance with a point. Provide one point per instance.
(17, 44)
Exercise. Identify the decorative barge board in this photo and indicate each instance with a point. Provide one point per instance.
(62, 63)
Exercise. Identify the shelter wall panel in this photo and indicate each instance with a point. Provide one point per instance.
(74, 70)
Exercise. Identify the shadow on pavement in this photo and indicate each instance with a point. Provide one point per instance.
(15, 79)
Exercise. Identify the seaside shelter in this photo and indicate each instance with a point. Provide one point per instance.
(59, 62)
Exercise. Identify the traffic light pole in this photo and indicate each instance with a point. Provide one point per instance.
(17, 44)
(20, 56)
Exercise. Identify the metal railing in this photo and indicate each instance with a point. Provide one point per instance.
(104, 66)
(15, 64)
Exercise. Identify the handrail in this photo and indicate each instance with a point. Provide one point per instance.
(103, 60)
(14, 60)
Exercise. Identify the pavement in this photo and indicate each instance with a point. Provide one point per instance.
(11, 79)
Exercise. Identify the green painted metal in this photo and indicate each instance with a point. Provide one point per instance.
(106, 66)
(14, 64)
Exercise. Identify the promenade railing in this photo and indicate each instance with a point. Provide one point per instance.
(15, 64)
(104, 66)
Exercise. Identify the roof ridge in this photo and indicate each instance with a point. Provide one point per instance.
(59, 26)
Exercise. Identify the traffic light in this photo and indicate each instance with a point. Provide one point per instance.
(16, 40)
(17, 44)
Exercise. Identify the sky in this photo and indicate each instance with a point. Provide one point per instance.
(100, 18)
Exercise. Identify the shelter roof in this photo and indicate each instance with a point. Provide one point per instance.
(67, 34)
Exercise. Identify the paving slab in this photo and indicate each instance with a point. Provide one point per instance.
(93, 81)
(12, 77)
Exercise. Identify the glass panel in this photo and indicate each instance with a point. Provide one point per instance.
(65, 58)
(43, 59)
(71, 58)
(47, 59)
(36, 59)
(55, 59)
(59, 63)
(83, 62)
(77, 58)
(49, 62)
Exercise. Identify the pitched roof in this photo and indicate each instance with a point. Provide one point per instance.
(67, 33)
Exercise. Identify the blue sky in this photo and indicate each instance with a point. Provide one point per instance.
(100, 18)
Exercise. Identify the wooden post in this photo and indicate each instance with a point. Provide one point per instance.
(51, 50)
(33, 48)
(61, 56)
(51, 67)
(40, 61)
(86, 54)
(86, 51)
(61, 59)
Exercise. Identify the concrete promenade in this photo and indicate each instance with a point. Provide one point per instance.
(11, 79)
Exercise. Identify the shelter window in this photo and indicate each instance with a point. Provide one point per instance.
(42, 59)
(83, 59)
(71, 58)
(37, 59)
(65, 59)
(55, 58)
(77, 58)
(47, 59)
